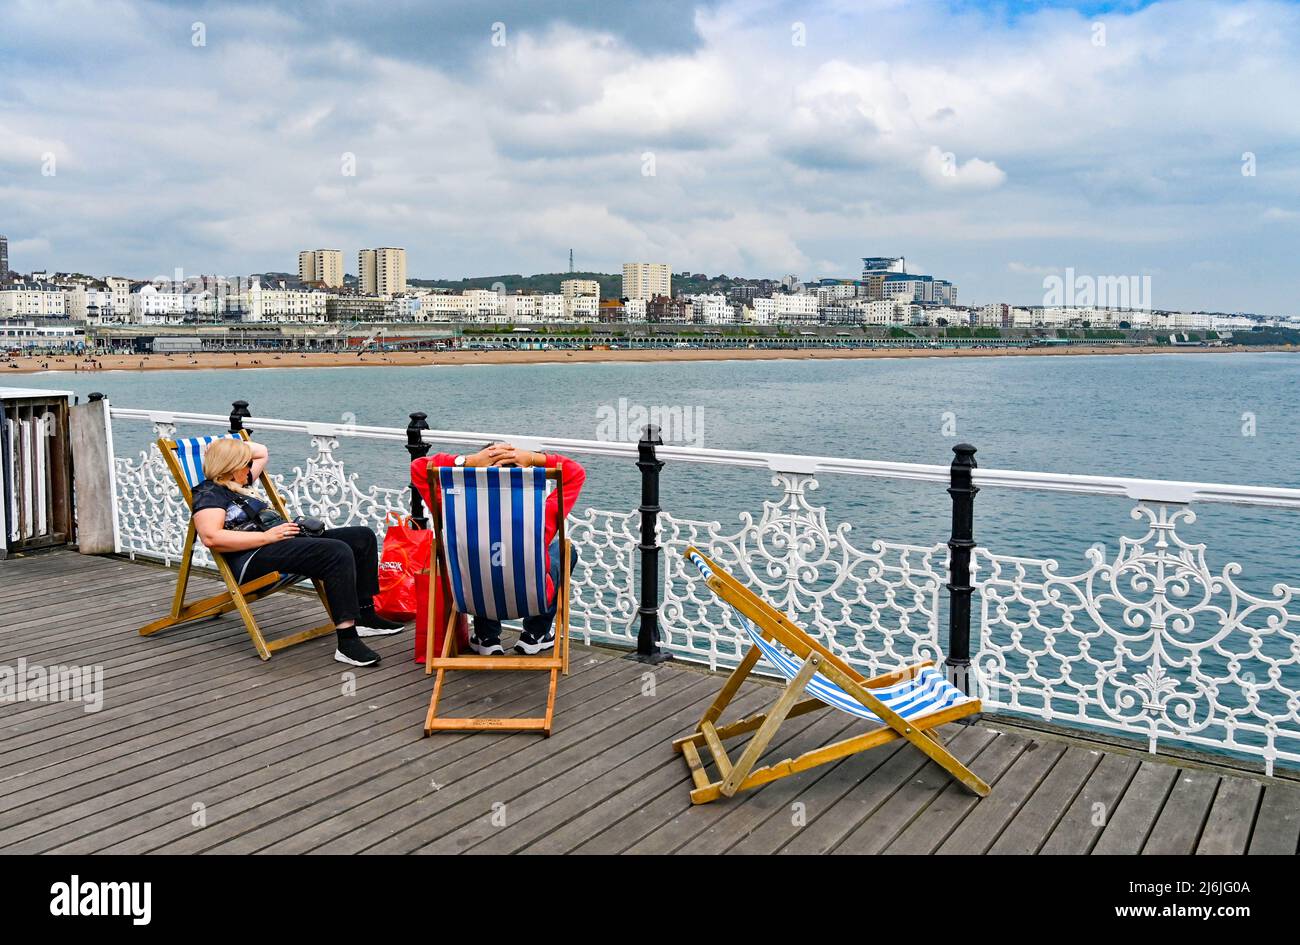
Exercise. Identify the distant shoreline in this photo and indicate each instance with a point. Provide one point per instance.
(270, 359)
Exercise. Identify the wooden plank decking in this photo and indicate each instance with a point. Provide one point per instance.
(201, 747)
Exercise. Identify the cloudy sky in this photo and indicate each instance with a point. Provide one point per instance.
(992, 144)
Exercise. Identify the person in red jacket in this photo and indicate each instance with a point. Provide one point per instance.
(538, 631)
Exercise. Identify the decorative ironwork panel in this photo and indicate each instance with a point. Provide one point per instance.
(1151, 642)
(152, 518)
(877, 607)
(603, 586)
(324, 490)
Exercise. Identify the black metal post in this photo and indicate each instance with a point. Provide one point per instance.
(94, 396)
(417, 448)
(647, 638)
(962, 489)
(237, 414)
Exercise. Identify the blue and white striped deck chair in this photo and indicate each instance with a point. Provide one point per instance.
(908, 703)
(490, 557)
(184, 458)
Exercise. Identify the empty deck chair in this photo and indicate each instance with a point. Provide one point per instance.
(490, 553)
(185, 460)
(907, 703)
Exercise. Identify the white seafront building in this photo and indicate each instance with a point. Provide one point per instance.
(93, 304)
(1181, 321)
(32, 299)
(830, 295)
(886, 312)
(1003, 315)
(872, 313)
(714, 309)
(280, 304)
(1237, 323)
(153, 304)
(785, 309)
(949, 315)
(634, 310)
(120, 287)
(489, 307)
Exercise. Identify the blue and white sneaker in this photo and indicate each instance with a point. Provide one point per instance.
(530, 646)
(485, 647)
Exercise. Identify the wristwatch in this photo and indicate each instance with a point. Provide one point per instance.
(460, 460)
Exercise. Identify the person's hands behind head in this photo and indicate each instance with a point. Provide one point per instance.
(521, 457)
(490, 455)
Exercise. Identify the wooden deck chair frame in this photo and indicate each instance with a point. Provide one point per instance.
(742, 774)
(236, 596)
(556, 664)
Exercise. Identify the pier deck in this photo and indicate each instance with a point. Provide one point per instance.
(201, 747)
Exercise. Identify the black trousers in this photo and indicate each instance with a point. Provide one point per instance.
(345, 559)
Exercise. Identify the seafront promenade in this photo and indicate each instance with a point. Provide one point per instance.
(268, 358)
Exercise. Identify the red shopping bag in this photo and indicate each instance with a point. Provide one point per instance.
(441, 612)
(406, 552)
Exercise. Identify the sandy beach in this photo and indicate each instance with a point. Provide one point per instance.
(162, 362)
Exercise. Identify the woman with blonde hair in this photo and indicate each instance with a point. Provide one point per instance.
(228, 517)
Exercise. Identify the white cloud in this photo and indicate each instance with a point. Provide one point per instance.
(942, 169)
(23, 151)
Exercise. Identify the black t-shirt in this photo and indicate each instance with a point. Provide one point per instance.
(238, 509)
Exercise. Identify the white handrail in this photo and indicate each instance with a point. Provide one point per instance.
(1151, 490)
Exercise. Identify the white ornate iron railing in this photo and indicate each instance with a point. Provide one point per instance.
(1152, 643)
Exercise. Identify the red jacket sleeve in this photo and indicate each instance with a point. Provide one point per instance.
(420, 477)
(574, 477)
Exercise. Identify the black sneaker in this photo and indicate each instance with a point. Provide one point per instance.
(485, 647)
(370, 624)
(530, 646)
(355, 653)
